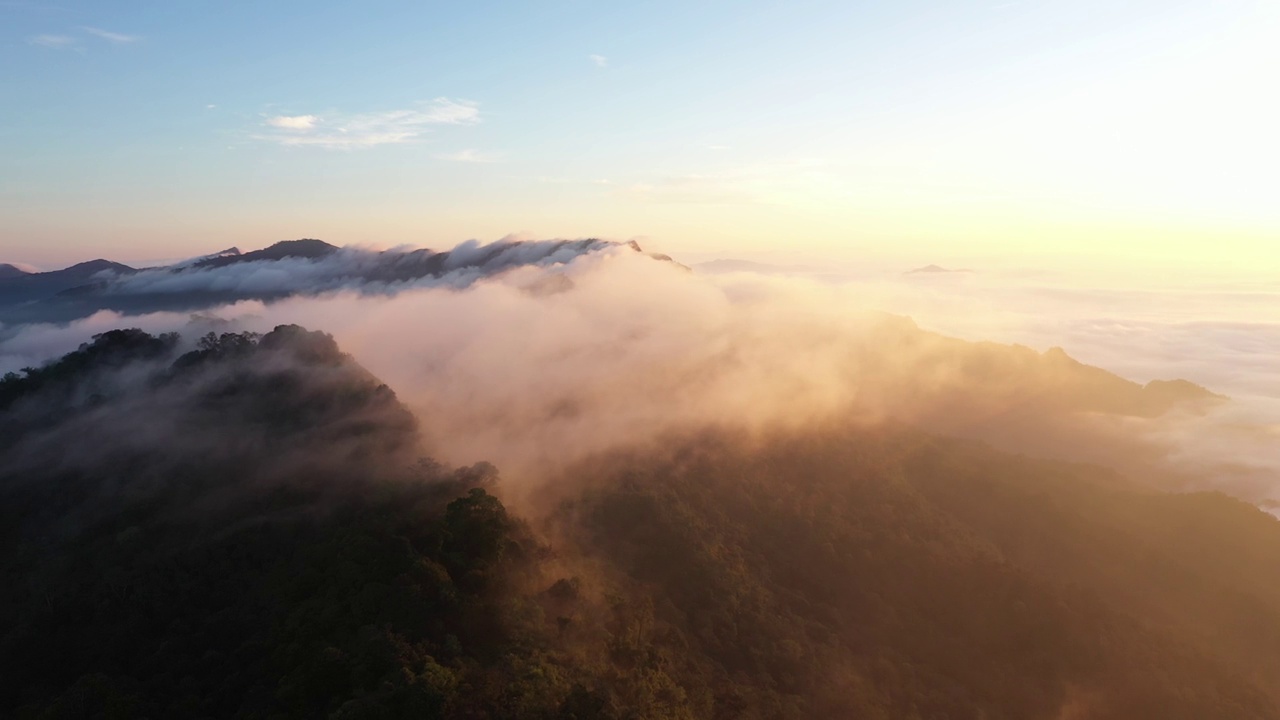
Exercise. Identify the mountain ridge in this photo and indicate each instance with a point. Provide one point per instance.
(306, 248)
(8, 271)
(78, 291)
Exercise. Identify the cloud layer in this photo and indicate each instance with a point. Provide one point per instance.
(560, 356)
(295, 122)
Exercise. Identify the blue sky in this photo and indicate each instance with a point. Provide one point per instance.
(147, 130)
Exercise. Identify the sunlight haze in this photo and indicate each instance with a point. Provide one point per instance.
(1095, 132)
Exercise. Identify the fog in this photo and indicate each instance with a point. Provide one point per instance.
(543, 364)
(1222, 333)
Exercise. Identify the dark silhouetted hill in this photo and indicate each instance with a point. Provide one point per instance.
(297, 267)
(8, 272)
(309, 249)
(23, 288)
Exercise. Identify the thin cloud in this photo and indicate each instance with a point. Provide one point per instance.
(338, 132)
(599, 60)
(560, 180)
(692, 189)
(293, 122)
(470, 156)
(111, 37)
(57, 42)
(750, 184)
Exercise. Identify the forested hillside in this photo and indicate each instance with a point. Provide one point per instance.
(880, 573)
(247, 530)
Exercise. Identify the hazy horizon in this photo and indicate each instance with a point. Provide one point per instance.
(1090, 133)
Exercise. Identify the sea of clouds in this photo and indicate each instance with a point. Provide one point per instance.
(545, 362)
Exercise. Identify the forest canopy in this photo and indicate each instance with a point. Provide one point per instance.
(248, 529)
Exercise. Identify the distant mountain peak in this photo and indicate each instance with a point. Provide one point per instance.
(1182, 391)
(935, 270)
(11, 271)
(93, 267)
(306, 248)
(231, 252)
(661, 257)
(1059, 354)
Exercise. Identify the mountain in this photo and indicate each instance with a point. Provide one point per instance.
(308, 249)
(285, 269)
(859, 572)
(1013, 396)
(934, 270)
(229, 499)
(246, 530)
(25, 288)
(230, 252)
(8, 272)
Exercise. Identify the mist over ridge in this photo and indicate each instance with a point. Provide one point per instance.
(287, 268)
(532, 354)
(621, 487)
(254, 514)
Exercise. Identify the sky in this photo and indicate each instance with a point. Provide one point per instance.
(1096, 134)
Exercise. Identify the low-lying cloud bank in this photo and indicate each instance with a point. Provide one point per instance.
(548, 353)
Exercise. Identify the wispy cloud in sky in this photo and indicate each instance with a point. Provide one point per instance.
(470, 156)
(293, 122)
(349, 132)
(111, 37)
(599, 60)
(57, 42)
(715, 189)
